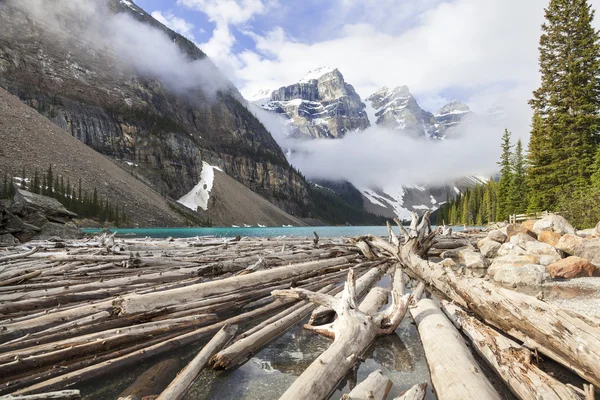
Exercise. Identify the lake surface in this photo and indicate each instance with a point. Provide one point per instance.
(322, 231)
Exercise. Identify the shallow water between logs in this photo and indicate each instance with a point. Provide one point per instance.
(269, 373)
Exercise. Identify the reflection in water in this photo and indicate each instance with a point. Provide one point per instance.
(268, 374)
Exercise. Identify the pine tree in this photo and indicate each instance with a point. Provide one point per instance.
(504, 206)
(567, 104)
(49, 181)
(596, 174)
(36, 182)
(5, 186)
(518, 186)
(23, 179)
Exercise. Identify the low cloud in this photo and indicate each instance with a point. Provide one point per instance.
(90, 27)
(379, 157)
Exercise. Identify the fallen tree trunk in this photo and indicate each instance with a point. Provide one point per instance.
(454, 372)
(354, 331)
(376, 386)
(18, 256)
(151, 381)
(242, 349)
(322, 314)
(569, 338)
(61, 395)
(180, 385)
(176, 342)
(511, 362)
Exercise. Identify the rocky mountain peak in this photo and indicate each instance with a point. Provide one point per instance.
(397, 109)
(320, 105)
(452, 113)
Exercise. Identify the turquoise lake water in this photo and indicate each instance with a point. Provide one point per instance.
(322, 231)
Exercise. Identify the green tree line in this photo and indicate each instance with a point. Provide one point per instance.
(561, 170)
(72, 196)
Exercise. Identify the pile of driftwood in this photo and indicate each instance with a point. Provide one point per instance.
(72, 311)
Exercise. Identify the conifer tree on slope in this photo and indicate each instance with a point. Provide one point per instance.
(567, 104)
(518, 186)
(504, 185)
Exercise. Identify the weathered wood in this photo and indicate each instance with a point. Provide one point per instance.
(323, 314)
(242, 349)
(152, 381)
(20, 278)
(375, 387)
(416, 392)
(60, 395)
(512, 362)
(122, 361)
(353, 330)
(454, 372)
(180, 385)
(12, 257)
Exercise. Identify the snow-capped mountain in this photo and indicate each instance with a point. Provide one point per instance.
(323, 105)
(401, 201)
(397, 109)
(452, 114)
(320, 105)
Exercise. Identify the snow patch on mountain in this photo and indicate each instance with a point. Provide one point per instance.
(199, 195)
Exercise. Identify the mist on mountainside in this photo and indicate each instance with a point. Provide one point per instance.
(89, 26)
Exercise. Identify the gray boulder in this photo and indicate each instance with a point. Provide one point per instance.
(510, 249)
(529, 274)
(10, 223)
(27, 203)
(471, 259)
(590, 250)
(497, 236)
(27, 233)
(596, 231)
(511, 260)
(554, 223)
(8, 239)
(64, 231)
(546, 253)
(36, 219)
(488, 247)
(569, 243)
(521, 239)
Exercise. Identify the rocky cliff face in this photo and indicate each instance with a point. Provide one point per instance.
(321, 105)
(122, 112)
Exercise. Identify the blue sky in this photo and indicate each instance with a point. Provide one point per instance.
(483, 52)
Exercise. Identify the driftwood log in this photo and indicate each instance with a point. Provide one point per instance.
(376, 386)
(513, 363)
(353, 332)
(180, 385)
(569, 338)
(454, 372)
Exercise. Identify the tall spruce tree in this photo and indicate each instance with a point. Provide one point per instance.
(518, 185)
(567, 104)
(504, 185)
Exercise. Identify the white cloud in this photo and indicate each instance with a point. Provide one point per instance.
(179, 25)
(226, 13)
